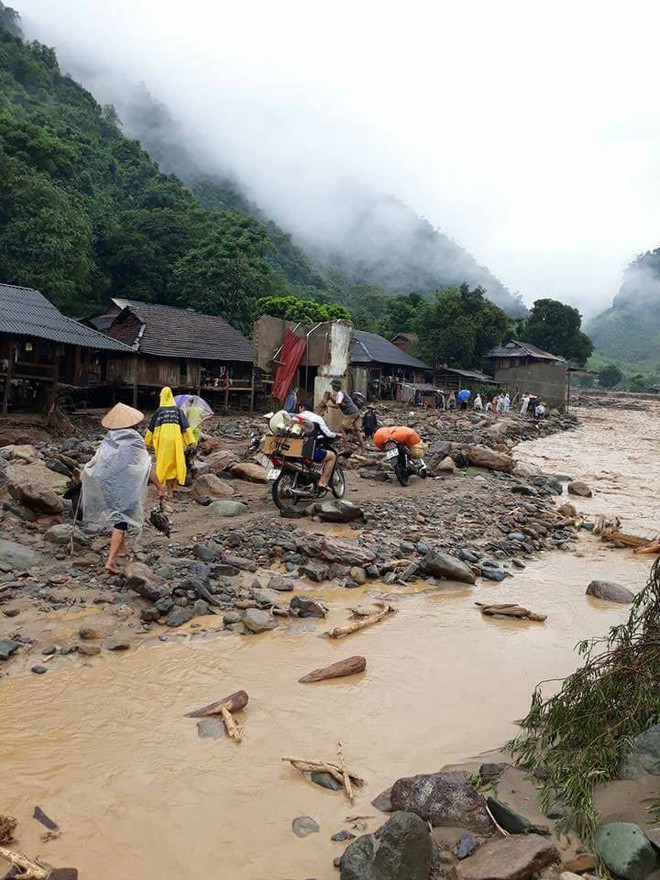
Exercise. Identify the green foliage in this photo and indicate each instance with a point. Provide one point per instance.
(304, 311)
(579, 737)
(610, 376)
(555, 327)
(638, 382)
(459, 328)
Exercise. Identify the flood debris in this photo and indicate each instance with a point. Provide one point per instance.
(510, 610)
(347, 778)
(364, 619)
(34, 869)
(7, 827)
(45, 820)
(224, 708)
(340, 669)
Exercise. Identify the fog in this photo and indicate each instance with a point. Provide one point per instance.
(528, 133)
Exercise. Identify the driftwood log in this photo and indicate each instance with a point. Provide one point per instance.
(510, 610)
(350, 666)
(345, 777)
(364, 619)
(29, 868)
(224, 708)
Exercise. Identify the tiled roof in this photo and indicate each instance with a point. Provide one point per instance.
(370, 348)
(171, 332)
(515, 348)
(26, 312)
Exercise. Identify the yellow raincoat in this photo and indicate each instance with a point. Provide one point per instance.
(168, 432)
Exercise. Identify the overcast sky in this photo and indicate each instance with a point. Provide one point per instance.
(528, 132)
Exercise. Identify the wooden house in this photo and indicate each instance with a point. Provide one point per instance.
(182, 348)
(522, 367)
(378, 367)
(404, 341)
(41, 349)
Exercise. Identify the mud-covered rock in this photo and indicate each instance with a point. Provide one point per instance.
(610, 591)
(519, 857)
(443, 565)
(443, 799)
(400, 849)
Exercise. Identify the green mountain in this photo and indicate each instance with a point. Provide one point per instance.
(628, 333)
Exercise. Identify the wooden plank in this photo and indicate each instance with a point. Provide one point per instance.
(5, 393)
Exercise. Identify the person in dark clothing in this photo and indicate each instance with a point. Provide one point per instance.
(369, 423)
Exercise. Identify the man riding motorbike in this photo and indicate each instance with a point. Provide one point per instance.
(320, 432)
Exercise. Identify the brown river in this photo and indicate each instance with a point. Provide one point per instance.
(105, 750)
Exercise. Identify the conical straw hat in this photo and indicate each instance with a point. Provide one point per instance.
(121, 416)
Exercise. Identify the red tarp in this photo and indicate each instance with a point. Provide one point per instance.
(290, 356)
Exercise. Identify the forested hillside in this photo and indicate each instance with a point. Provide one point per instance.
(629, 331)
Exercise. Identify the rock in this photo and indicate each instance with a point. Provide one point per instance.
(228, 508)
(568, 510)
(644, 756)
(484, 457)
(35, 496)
(315, 571)
(519, 857)
(258, 621)
(511, 821)
(325, 780)
(117, 645)
(359, 575)
(212, 728)
(164, 605)
(231, 617)
(443, 799)
(335, 550)
(577, 487)
(49, 651)
(265, 597)
(179, 615)
(60, 534)
(39, 670)
(150, 615)
(88, 650)
(336, 511)
(304, 826)
(445, 566)
(400, 849)
(383, 801)
(626, 851)
(16, 556)
(610, 592)
(88, 634)
(488, 772)
(280, 583)
(206, 554)
(466, 845)
(7, 648)
(246, 470)
(342, 835)
(447, 466)
(211, 486)
(144, 582)
(524, 470)
(580, 864)
(302, 606)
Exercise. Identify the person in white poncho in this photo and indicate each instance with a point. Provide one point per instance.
(114, 482)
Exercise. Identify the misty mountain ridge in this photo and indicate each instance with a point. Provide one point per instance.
(628, 333)
(374, 240)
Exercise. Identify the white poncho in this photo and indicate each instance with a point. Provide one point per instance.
(114, 482)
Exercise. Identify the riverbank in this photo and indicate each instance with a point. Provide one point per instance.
(104, 748)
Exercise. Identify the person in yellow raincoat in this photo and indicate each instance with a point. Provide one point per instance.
(168, 433)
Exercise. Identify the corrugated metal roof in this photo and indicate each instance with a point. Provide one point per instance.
(468, 374)
(515, 348)
(26, 312)
(172, 332)
(369, 348)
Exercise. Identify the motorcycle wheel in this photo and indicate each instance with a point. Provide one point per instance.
(402, 474)
(338, 483)
(282, 485)
(423, 473)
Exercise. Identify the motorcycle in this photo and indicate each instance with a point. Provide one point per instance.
(295, 475)
(405, 466)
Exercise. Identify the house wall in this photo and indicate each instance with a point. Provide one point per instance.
(549, 381)
(154, 372)
(335, 365)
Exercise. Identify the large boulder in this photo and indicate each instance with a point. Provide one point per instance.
(248, 470)
(626, 851)
(519, 857)
(228, 508)
(221, 461)
(303, 606)
(211, 486)
(36, 496)
(483, 457)
(258, 621)
(443, 799)
(577, 487)
(16, 557)
(336, 511)
(335, 550)
(610, 592)
(141, 579)
(644, 757)
(442, 565)
(400, 849)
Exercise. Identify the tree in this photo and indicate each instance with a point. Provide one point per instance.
(555, 327)
(638, 382)
(303, 311)
(610, 376)
(460, 327)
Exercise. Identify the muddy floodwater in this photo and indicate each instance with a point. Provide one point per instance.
(105, 750)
